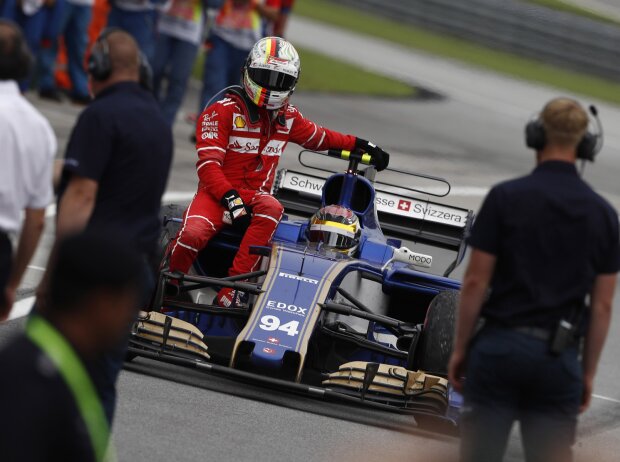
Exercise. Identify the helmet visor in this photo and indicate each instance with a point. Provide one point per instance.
(272, 80)
(332, 240)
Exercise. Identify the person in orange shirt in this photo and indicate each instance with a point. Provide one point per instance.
(97, 24)
(73, 27)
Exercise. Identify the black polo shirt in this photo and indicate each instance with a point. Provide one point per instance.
(39, 421)
(552, 235)
(122, 141)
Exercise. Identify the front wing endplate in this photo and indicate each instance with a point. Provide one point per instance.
(169, 333)
(390, 382)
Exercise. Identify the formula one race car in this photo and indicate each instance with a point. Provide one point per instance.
(373, 328)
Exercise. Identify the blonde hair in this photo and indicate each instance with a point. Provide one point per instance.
(565, 122)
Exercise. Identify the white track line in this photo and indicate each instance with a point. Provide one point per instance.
(170, 196)
(606, 398)
(21, 308)
(173, 196)
(50, 211)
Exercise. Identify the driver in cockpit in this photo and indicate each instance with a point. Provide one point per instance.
(335, 228)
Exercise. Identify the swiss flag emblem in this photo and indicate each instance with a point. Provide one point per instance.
(403, 205)
(273, 340)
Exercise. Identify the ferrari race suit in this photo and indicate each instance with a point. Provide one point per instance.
(239, 147)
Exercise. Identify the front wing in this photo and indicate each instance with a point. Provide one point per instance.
(373, 385)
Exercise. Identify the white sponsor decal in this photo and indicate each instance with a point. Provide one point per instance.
(386, 202)
(274, 148)
(281, 306)
(298, 278)
(410, 257)
(303, 183)
(208, 117)
(272, 323)
(209, 128)
(287, 129)
(243, 145)
(419, 259)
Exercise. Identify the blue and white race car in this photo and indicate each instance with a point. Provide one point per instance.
(374, 328)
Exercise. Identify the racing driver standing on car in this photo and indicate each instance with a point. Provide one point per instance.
(240, 139)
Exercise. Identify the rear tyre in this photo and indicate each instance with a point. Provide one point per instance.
(438, 334)
(169, 230)
(160, 261)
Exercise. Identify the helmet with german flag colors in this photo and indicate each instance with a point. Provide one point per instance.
(271, 72)
(336, 227)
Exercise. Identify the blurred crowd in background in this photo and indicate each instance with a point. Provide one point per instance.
(170, 34)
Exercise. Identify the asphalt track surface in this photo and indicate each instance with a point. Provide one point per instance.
(474, 138)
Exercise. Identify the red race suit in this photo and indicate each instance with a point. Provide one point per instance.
(239, 147)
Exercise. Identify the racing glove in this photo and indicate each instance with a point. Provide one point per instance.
(380, 158)
(240, 214)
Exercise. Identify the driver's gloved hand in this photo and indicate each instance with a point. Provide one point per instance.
(380, 158)
(240, 214)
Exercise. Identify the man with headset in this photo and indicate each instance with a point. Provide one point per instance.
(547, 246)
(116, 167)
(28, 150)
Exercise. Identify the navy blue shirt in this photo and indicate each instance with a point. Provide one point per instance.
(122, 141)
(552, 235)
(40, 421)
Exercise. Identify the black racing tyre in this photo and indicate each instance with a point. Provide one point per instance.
(169, 229)
(435, 348)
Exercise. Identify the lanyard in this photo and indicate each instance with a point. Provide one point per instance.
(62, 355)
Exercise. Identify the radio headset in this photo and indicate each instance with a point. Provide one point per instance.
(100, 64)
(17, 64)
(589, 146)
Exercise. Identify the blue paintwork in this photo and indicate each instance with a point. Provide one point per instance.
(375, 251)
(346, 193)
(368, 215)
(290, 231)
(292, 290)
(290, 299)
(401, 276)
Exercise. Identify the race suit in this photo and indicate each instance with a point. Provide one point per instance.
(239, 148)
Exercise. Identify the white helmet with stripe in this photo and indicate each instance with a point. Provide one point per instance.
(271, 72)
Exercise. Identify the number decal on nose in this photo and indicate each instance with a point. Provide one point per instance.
(272, 323)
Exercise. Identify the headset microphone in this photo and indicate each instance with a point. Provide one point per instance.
(599, 128)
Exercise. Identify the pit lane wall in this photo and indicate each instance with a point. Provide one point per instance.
(524, 29)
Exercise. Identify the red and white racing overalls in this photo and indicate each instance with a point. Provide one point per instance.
(236, 154)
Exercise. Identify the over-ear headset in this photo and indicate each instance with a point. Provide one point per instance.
(589, 146)
(100, 65)
(16, 65)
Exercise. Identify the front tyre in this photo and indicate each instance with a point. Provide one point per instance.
(438, 334)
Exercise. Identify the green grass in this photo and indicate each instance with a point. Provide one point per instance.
(323, 74)
(461, 50)
(570, 7)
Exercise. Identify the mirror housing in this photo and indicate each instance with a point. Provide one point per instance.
(408, 256)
